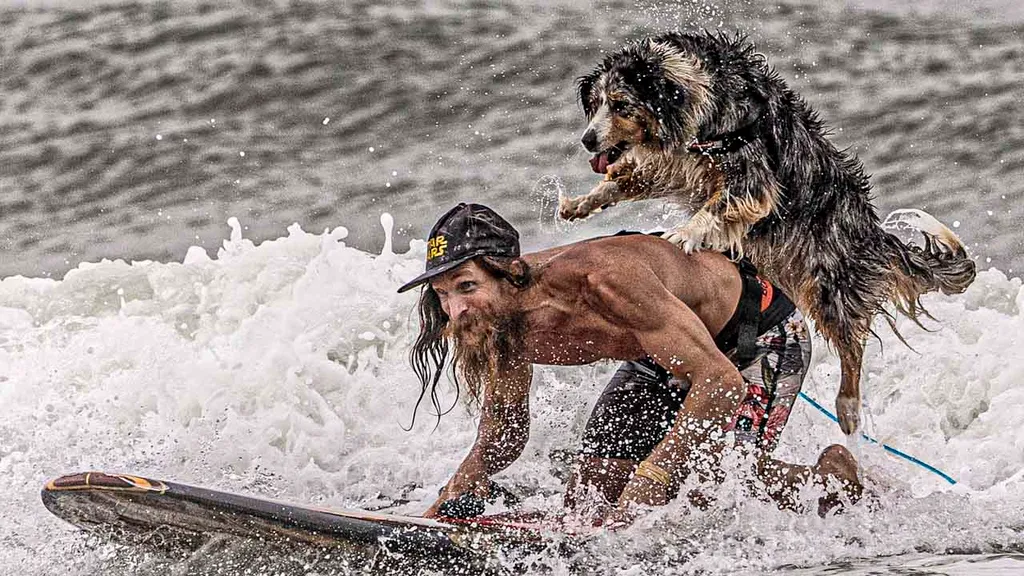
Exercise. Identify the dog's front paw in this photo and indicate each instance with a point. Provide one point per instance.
(602, 196)
(848, 414)
(683, 237)
(569, 208)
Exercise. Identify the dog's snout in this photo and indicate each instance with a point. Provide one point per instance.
(590, 140)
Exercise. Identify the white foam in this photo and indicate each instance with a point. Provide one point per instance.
(281, 369)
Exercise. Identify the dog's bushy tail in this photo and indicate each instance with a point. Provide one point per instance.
(941, 264)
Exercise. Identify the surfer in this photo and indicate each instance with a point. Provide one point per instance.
(709, 348)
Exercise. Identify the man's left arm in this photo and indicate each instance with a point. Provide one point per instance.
(676, 338)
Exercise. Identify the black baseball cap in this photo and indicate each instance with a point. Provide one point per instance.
(463, 233)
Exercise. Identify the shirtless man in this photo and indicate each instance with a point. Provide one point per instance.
(708, 348)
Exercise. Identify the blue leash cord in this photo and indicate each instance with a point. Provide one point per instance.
(887, 448)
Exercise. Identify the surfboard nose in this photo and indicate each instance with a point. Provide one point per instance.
(100, 480)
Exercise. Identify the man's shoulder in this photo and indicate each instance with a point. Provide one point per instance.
(624, 238)
(631, 258)
(595, 250)
(610, 255)
(634, 246)
(621, 251)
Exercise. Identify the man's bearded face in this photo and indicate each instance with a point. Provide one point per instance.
(480, 328)
(485, 322)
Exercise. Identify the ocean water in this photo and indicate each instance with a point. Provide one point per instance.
(134, 129)
(205, 209)
(280, 369)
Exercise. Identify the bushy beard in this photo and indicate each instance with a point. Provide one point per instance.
(486, 343)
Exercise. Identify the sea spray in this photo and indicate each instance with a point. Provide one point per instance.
(280, 369)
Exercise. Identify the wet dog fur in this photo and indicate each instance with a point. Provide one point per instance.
(702, 120)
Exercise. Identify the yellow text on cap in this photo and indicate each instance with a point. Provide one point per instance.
(436, 246)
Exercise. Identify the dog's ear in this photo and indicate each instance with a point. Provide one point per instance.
(666, 77)
(585, 92)
(666, 103)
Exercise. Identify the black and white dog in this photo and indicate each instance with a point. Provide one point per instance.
(702, 120)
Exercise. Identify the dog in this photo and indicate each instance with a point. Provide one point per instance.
(702, 120)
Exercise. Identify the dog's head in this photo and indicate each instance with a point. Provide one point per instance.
(649, 93)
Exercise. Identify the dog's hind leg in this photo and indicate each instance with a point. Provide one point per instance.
(851, 355)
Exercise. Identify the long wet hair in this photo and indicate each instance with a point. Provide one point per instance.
(429, 354)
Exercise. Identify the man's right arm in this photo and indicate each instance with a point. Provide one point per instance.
(502, 434)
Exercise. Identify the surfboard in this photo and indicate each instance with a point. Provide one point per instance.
(162, 514)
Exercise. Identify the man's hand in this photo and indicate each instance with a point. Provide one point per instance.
(460, 484)
(639, 491)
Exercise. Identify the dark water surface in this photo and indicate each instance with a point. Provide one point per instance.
(134, 130)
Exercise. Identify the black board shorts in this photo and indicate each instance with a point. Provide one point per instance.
(640, 403)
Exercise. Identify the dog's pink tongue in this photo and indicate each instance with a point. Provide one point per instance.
(599, 163)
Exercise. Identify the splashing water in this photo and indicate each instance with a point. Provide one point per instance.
(280, 369)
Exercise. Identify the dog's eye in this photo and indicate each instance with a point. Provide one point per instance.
(617, 106)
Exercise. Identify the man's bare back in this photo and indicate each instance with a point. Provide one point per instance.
(569, 317)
